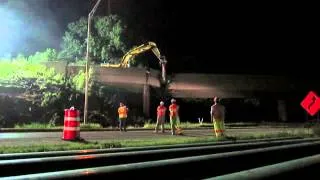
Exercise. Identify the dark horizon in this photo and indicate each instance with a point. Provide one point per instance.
(198, 36)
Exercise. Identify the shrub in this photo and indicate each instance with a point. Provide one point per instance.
(316, 129)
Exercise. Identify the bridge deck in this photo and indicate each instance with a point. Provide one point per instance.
(202, 85)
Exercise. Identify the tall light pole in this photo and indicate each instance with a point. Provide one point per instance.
(109, 7)
(87, 62)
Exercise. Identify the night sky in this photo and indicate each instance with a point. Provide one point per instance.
(196, 36)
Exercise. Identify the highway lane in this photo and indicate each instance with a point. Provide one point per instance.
(177, 162)
(45, 137)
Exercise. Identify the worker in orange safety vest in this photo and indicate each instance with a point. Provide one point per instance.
(123, 114)
(217, 117)
(174, 117)
(161, 117)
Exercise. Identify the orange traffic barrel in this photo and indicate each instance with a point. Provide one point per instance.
(71, 129)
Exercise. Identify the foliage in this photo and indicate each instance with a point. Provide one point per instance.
(33, 126)
(26, 67)
(32, 92)
(42, 87)
(316, 128)
(47, 55)
(47, 93)
(13, 71)
(90, 126)
(78, 81)
(106, 39)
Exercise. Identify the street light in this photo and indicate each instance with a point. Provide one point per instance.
(90, 15)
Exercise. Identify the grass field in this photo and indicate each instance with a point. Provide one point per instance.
(182, 125)
(65, 145)
(47, 126)
(98, 126)
(152, 125)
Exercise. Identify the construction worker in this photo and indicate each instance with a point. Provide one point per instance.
(161, 116)
(217, 117)
(174, 116)
(123, 114)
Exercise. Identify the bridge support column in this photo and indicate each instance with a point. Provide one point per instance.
(146, 96)
(282, 110)
(146, 101)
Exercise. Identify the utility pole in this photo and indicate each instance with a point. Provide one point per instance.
(85, 118)
(109, 7)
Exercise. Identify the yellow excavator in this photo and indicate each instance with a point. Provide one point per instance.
(125, 61)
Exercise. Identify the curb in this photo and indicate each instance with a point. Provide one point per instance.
(86, 130)
(4, 130)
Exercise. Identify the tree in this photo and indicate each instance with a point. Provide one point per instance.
(47, 55)
(107, 43)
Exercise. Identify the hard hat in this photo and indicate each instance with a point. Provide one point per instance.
(173, 100)
(161, 103)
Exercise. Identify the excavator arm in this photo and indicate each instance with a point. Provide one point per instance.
(125, 61)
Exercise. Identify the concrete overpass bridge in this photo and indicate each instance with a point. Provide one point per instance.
(186, 85)
(195, 85)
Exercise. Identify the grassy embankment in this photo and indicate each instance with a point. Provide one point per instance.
(165, 140)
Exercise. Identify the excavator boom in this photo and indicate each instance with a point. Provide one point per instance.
(125, 61)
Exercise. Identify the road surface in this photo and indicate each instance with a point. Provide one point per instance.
(27, 138)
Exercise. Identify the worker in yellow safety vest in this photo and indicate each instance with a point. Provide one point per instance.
(217, 117)
(123, 114)
(174, 117)
(161, 116)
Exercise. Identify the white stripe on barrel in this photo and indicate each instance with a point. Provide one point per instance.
(72, 118)
(72, 128)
